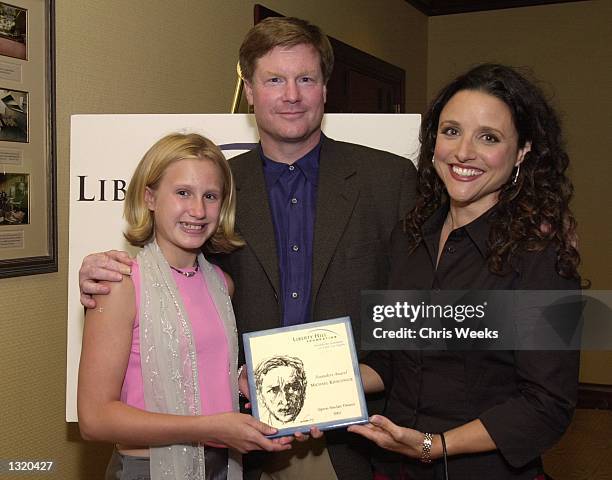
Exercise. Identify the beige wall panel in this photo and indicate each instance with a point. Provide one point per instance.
(146, 56)
(569, 48)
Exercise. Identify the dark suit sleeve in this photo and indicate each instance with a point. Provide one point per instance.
(217, 259)
(407, 190)
(526, 425)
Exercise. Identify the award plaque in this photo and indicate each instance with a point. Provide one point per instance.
(305, 375)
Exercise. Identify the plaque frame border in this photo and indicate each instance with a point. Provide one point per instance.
(330, 425)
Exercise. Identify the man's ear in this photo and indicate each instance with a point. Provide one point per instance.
(324, 93)
(248, 89)
(521, 154)
(149, 198)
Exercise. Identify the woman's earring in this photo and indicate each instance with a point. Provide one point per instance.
(515, 179)
(433, 160)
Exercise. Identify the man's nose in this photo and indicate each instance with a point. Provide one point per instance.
(292, 92)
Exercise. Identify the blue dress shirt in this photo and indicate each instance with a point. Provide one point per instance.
(292, 193)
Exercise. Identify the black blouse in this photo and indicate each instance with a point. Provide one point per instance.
(525, 399)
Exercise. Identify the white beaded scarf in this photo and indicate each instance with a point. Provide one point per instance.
(169, 364)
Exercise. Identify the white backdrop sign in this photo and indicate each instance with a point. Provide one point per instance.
(104, 151)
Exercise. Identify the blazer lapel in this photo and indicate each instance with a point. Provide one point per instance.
(253, 217)
(337, 193)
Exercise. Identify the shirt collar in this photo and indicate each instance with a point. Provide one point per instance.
(308, 165)
(478, 230)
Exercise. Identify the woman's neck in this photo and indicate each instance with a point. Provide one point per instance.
(460, 215)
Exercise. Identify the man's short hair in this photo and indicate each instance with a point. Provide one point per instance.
(283, 32)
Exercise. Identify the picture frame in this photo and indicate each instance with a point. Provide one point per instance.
(28, 211)
(305, 375)
(13, 31)
(13, 115)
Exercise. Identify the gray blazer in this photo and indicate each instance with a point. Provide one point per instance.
(362, 193)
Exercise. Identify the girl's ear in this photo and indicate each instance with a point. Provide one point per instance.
(149, 198)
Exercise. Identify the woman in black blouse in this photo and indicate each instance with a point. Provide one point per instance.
(492, 213)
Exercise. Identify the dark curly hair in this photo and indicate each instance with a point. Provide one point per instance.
(531, 213)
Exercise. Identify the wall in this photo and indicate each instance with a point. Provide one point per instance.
(567, 47)
(146, 56)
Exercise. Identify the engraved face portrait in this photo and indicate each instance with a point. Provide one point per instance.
(281, 387)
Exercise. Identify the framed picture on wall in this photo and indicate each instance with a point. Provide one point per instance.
(13, 31)
(28, 221)
(13, 116)
(14, 198)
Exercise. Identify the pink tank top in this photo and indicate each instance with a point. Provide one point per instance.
(210, 343)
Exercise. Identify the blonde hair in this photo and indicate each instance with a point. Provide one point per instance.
(283, 32)
(149, 172)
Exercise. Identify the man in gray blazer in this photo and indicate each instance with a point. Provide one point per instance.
(308, 207)
(316, 215)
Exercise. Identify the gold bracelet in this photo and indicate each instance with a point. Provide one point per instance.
(426, 452)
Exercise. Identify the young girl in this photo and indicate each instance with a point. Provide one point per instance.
(158, 365)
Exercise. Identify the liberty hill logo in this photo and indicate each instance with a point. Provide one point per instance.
(316, 335)
(102, 190)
